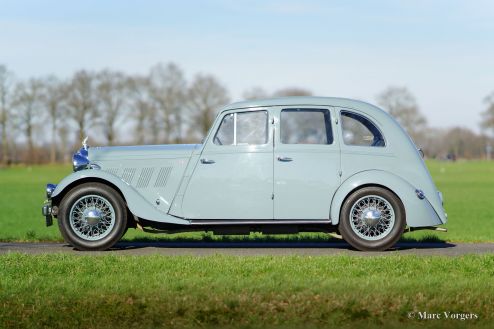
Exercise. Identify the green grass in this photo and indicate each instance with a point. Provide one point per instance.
(64, 291)
(468, 188)
(111, 291)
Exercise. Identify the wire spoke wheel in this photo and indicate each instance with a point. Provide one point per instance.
(372, 217)
(92, 217)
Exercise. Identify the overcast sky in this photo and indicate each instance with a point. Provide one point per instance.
(443, 51)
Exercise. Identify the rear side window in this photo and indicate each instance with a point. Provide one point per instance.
(360, 131)
(306, 126)
(243, 128)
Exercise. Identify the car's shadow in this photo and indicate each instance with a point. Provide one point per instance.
(128, 245)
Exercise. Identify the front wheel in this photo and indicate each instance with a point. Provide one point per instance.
(92, 216)
(372, 218)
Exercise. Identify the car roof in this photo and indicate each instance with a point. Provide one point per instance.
(301, 100)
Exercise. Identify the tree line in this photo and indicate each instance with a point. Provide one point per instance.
(154, 108)
(452, 142)
(42, 118)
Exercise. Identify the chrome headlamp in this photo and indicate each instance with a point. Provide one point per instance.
(80, 159)
(49, 190)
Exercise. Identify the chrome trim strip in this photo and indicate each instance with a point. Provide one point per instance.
(255, 222)
(235, 128)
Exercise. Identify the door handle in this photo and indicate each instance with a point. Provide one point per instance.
(285, 159)
(207, 161)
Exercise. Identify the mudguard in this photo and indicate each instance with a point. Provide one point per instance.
(136, 203)
(419, 212)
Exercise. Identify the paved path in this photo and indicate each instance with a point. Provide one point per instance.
(253, 248)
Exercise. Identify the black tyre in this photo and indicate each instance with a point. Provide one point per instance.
(372, 218)
(92, 216)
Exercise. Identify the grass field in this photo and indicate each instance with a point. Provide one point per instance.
(112, 291)
(67, 291)
(468, 189)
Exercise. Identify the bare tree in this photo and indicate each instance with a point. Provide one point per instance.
(205, 97)
(401, 104)
(292, 91)
(111, 98)
(168, 89)
(63, 132)
(27, 104)
(81, 102)
(5, 90)
(435, 147)
(156, 104)
(255, 93)
(488, 115)
(464, 143)
(53, 97)
(143, 109)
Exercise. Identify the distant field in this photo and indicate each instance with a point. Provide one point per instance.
(114, 291)
(468, 189)
(70, 291)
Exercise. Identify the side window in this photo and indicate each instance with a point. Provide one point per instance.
(360, 131)
(224, 136)
(252, 128)
(306, 126)
(244, 128)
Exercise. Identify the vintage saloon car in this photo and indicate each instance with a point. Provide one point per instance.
(282, 165)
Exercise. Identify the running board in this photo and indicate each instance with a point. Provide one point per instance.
(432, 228)
(256, 222)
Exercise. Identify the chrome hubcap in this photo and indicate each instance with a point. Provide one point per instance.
(92, 217)
(372, 217)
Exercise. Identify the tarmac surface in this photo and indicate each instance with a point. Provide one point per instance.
(252, 249)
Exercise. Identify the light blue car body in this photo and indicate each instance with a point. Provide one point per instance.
(180, 184)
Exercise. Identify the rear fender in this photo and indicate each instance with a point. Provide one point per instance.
(419, 212)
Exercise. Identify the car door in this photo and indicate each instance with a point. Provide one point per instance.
(234, 177)
(306, 163)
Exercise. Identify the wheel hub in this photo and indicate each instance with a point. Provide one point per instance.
(92, 216)
(371, 216)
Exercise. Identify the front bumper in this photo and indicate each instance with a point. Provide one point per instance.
(47, 210)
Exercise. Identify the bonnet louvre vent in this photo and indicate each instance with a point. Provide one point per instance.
(144, 177)
(113, 171)
(128, 174)
(162, 178)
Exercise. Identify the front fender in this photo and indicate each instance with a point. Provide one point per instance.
(135, 202)
(419, 212)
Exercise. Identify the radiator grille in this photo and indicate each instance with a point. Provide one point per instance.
(162, 178)
(144, 177)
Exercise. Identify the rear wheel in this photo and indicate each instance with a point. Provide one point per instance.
(92, 216)
(372, 218)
